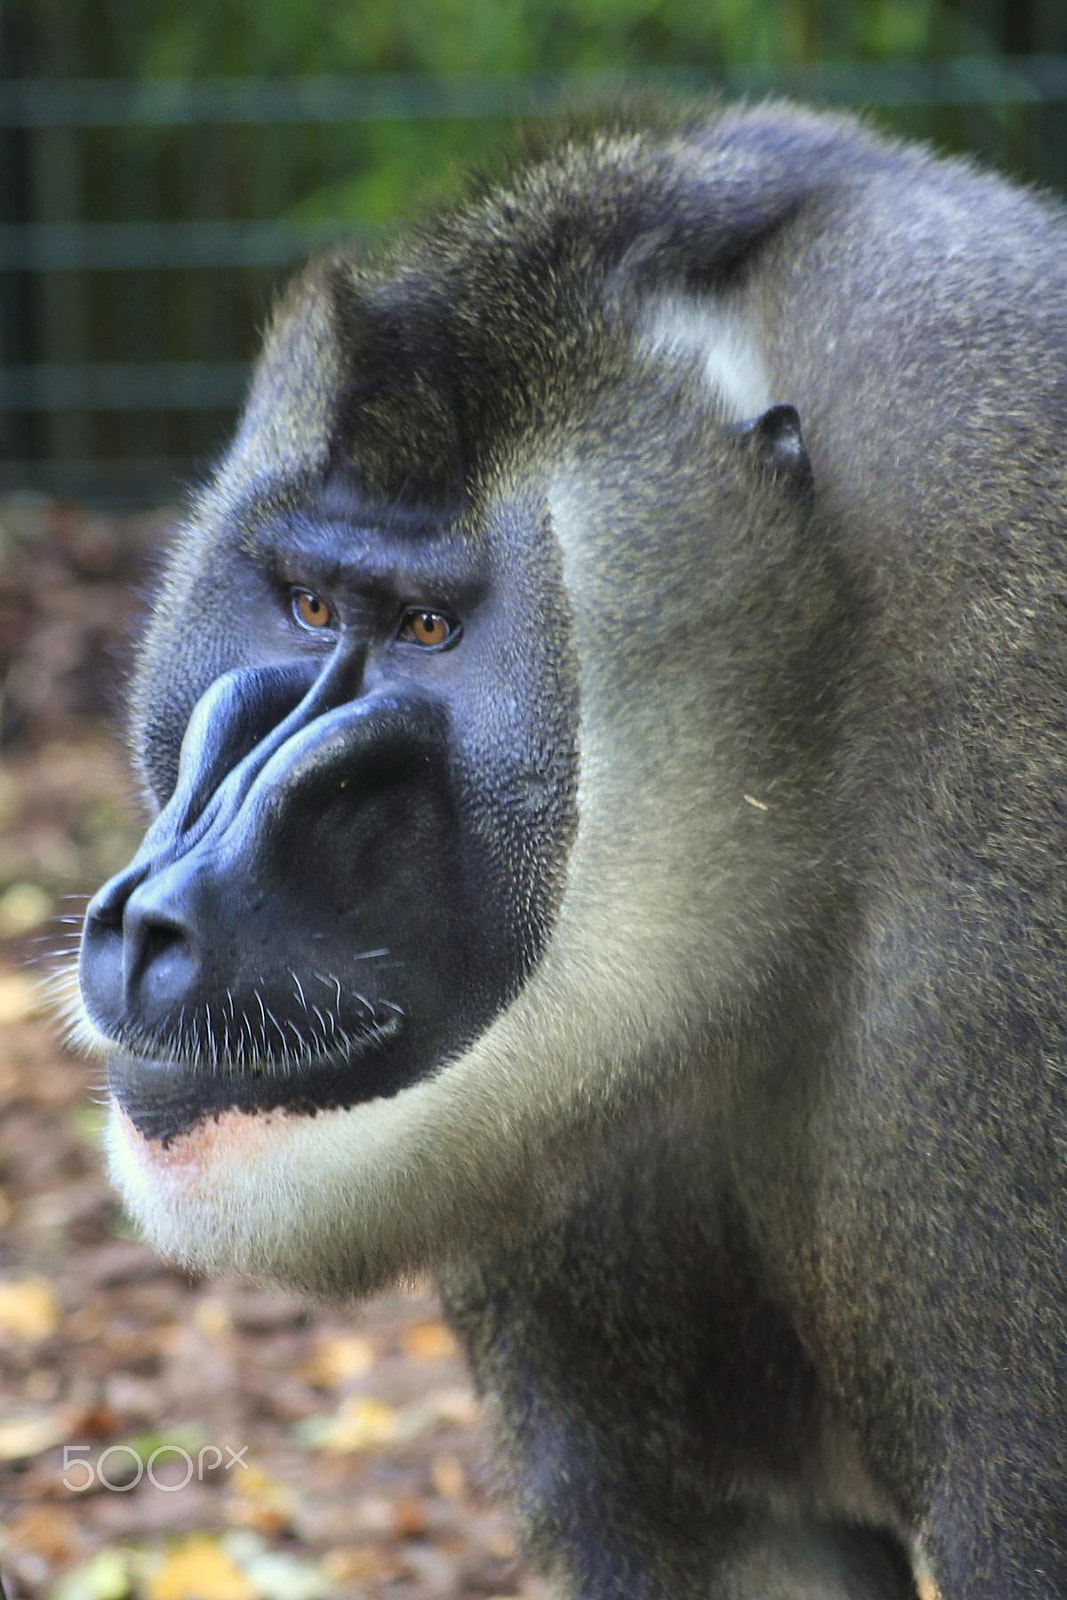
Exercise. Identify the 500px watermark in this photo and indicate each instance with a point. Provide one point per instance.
(130, 1466)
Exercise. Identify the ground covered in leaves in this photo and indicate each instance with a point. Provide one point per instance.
(163, 1439)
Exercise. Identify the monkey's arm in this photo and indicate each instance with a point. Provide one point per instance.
(663, 1431)
(630, 1520)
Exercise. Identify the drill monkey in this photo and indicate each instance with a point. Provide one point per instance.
(606, 719)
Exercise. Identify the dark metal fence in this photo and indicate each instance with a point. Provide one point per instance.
(145, 225)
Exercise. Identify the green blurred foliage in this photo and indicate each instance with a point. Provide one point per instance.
(437, 37)
(428, 90)
(384, 168)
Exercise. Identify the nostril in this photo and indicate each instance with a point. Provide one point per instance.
(155, 947)
(156, 939)
(141, 950)
(100, 965)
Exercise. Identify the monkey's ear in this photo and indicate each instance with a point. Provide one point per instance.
(778, 443)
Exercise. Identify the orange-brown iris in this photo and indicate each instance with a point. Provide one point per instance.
(312, 612)
(426, 627)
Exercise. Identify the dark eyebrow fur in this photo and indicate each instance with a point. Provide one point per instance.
(334, 555)
(297, 566)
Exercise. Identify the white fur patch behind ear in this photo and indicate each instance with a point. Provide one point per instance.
(716, 334)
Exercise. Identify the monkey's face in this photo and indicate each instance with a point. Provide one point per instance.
(365, 836)
(451, 765)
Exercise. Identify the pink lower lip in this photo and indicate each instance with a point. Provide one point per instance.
(232, 1136)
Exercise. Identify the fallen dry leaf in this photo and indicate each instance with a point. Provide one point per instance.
(448, 1476)
(24, 906)
(199, 1570)
(429, 1341)
(29, 1310)
(107, 1576)
(409, 1517)
(334, 1361)
(213, 1317)
(23, 1437)
(362, 1423)
(360, 1563)
(46, 1531)
(262, 1502)
(21, 997)
(454, 1406)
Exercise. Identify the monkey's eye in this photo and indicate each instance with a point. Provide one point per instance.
(430, 629)
(309, 610)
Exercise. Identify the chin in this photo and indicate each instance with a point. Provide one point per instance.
(273, 1195)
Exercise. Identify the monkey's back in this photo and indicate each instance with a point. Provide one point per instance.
(916, 313)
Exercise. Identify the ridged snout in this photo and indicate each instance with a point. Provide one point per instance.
(265, 765)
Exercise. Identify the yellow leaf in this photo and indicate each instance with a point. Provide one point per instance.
(199, 1570)
(253, 1481)
(333, 1361)
(22, 1437)
(448, 1476)
(362, 1423)
(370, 1565)
(429, 1341)
(20, 997)
(213, 1318)
(264, 1503)
(106, 1577)
(29, 1309)
(24, 906)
